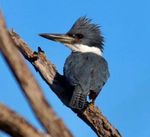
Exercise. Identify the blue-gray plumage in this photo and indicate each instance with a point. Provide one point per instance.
(85, 69)
(87, 72)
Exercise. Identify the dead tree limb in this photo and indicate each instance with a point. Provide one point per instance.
(30, 87)
(91, 115)
(15, 125)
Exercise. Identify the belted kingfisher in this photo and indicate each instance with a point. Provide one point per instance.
(85, 69)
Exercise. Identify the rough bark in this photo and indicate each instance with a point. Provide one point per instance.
(53, 125)
(91, 115)
(15, 125)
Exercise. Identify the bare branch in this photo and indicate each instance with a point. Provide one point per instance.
(30, 87)
(15, 125)
(91, 115)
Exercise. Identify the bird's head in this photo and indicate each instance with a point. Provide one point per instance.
(83, 36)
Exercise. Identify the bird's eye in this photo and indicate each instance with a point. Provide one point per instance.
(78, 36)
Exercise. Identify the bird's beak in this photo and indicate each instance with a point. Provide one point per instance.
(62, 38)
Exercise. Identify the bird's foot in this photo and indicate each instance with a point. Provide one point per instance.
(91, 104)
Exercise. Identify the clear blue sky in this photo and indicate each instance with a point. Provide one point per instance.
(125, 25)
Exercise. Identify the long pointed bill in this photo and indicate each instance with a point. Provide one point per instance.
(62, 38)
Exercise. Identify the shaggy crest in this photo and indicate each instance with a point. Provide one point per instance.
(89, 31)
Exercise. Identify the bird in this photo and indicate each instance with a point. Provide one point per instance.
(85, 68)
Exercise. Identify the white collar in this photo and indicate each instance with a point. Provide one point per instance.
(84, 48)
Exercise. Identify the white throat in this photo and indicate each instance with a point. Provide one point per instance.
(84, 48)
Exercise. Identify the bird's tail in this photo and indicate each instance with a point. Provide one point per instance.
(78, 99)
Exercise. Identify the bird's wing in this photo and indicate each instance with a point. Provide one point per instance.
(87, 70)
(99, 75)
(77, 71)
